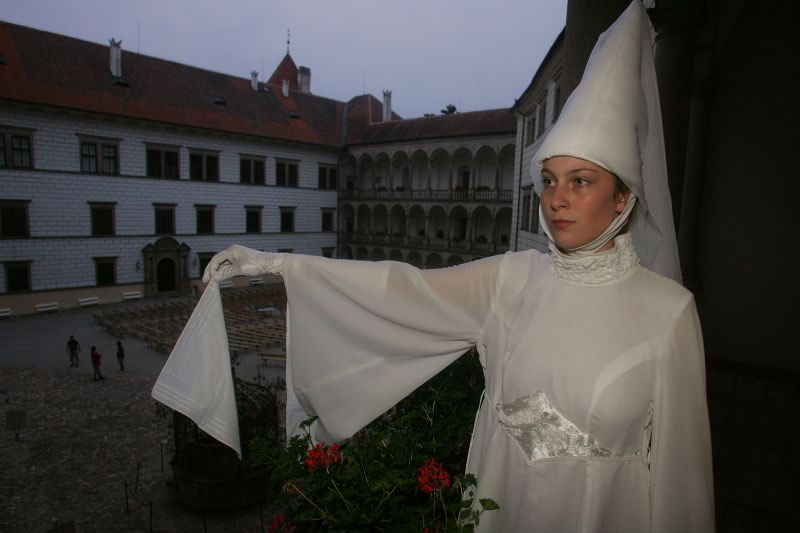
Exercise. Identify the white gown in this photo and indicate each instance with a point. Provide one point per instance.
(595, 414)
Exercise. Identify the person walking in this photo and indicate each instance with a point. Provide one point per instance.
(120, 356)
(73, 348)
(96, 356)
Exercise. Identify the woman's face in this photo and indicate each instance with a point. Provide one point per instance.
(579, 201)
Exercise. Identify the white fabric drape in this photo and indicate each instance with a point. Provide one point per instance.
(197, 379)
(376, 331)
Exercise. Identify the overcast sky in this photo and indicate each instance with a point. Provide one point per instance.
(476, 54)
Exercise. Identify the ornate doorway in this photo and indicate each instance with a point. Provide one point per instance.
(166, 268)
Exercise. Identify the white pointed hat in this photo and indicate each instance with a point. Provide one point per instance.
(613, 119)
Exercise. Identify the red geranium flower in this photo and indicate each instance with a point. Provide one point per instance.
(320, 456)
(280, 524)
(433, 476)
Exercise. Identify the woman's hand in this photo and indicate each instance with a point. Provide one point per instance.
(241, 261)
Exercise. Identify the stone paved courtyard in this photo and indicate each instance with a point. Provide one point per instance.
(66, 468)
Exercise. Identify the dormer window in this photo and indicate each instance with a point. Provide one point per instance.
(292, 114)
(219, 100)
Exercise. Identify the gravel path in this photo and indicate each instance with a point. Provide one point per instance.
(66, 469)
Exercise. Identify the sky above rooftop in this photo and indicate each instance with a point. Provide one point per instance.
(475, 54)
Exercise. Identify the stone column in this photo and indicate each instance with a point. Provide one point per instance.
(497, 160)
(688, 225)
(674, 60)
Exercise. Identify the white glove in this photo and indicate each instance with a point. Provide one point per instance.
(241, 261)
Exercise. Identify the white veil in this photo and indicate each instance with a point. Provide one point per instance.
(613, 119)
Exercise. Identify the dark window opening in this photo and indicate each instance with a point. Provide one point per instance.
(253, 220)
(99, 158)
(18, 276)
(205, 220)
(327, 177)
(327, 221)
(285, 174)
(287, 220)
(165, 220)
(203, 167)
(14, 219)
(162, 163)
(102, 219)
(252, 171)
(105, 270)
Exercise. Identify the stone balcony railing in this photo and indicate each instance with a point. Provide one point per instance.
(423, 243)
(430, 195)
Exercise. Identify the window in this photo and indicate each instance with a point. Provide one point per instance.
(99, 157)
(165, 219)
(328, 216)
(556, 103)
(530, 130)
(327, 177)
(204, 166)
(15, 150)
(162, 162)
(252, 214)
(105, 271)
(287, 219)
(327, 251)
(203, 259)
(14, 218)
(18, 276)
(286, 174)
(205, 219)
(542, 116)
(525, 215)
(251, 170)
(102, 218)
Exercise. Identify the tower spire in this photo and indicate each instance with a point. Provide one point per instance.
(288, 39)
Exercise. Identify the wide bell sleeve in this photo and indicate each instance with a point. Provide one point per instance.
(681, 480)
(363, 335)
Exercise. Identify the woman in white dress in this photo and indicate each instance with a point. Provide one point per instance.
(594, 416)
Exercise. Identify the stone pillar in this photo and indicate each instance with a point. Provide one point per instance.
(473, 177)
(497, 160)
(688, 226)
(428, 159)
(674, 60)
(428, 228)
(450, 171)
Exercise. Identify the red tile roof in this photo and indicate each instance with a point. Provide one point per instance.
(491, 122)
(286, 70)
(54, 70)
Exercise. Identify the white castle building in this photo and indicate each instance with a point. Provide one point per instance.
(122, 174)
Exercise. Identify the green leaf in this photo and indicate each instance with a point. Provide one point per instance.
(489, 504)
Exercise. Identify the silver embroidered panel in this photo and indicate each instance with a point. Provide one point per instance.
(542, 432)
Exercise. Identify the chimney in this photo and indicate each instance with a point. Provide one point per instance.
(387, 106)
(285, 88)
(304, 80)
(115, 58)
(254, 80)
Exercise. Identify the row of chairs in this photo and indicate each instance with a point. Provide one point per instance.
(159, 323)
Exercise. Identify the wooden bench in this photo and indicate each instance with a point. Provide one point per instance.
(132, 295)
(90, 300)
(5, 312)
(47, 307)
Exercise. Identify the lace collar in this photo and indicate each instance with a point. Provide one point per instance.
(596, 269)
